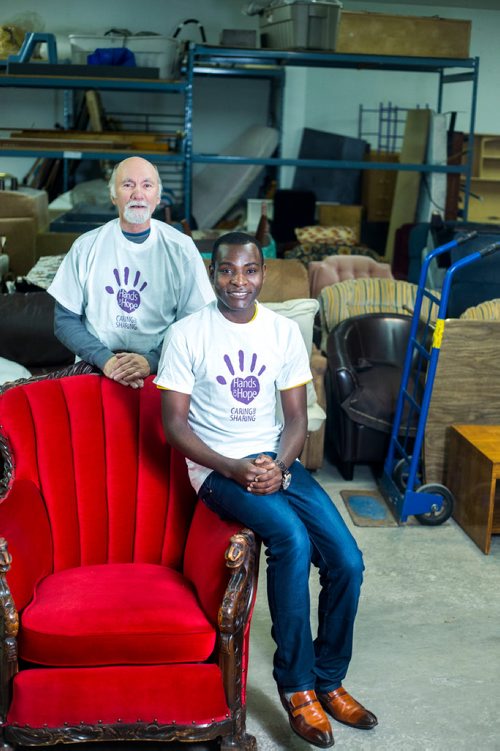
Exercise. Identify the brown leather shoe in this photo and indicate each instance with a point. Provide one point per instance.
(308, 719)
(344, 708)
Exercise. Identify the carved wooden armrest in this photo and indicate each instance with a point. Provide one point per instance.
(238, 597)
(242, 559)
(9, 627)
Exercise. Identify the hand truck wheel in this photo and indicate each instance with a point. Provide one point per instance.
(400, 474)
(435, 517)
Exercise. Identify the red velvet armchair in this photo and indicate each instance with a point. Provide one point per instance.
(125, 603)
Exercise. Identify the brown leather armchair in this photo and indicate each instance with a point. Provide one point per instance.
(365, 357)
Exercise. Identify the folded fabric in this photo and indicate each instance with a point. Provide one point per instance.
(12, 371)
(112, 56)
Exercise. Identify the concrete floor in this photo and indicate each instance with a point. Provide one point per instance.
(427, 642)
(426, 650)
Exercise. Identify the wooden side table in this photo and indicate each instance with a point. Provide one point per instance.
(473, 471)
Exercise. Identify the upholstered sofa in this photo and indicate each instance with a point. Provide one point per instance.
(125, 603)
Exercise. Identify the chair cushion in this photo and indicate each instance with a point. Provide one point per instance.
(160, 694)
(124, 613)
(373, 402)
(302, 311)
(334, 234)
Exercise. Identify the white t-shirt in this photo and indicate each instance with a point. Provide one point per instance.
(130, 292)
(232, 371)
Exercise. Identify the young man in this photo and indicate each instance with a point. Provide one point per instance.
(219, 369)
(121, 286)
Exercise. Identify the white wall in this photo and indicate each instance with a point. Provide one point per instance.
(338, 111)
(323, 99)
(333, 97)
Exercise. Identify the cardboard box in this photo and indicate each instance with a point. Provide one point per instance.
(366, 33)
(25, 202)
(378, 186)
(20, 244)
(332, 214)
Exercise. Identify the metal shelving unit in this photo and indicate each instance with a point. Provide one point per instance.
(217, 61)
(204, 60)
(70, 84)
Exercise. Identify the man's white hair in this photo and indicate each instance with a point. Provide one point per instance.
(112, 181)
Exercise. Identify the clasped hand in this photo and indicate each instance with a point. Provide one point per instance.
(260, 476)
(128, 368)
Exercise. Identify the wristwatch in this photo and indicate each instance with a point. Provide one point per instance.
(286, 477)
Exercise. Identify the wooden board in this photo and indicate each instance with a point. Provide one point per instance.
(85, 141)
(368, 33)
(466, 388)
(473, 473)
(408, 183)
(378, 186)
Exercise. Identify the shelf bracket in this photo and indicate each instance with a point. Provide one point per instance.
(31, 39)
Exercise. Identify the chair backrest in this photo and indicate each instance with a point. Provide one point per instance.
(334, 269)
(378, 337)
(113, 489)
(354, 297)
(485, 311)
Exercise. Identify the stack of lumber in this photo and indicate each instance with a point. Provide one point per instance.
(90, 141)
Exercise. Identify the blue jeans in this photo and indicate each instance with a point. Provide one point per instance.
(299, 526)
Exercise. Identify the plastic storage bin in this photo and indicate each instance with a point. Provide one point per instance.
(300, 25)
(150, 51)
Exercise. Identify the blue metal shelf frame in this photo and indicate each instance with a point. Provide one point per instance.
(204, 60)
(68, 84)
(217, 61)
(276, 75)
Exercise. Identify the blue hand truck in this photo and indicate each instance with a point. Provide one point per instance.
(401, 482)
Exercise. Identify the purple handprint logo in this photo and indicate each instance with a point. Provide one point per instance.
(243, 388)
(127, 299)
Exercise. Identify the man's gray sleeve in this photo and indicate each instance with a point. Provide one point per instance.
(70, 329)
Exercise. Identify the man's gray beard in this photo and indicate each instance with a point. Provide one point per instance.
(136, 216)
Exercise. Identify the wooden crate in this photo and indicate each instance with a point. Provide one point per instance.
(366, 33)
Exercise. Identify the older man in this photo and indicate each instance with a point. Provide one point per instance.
(121, 285)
